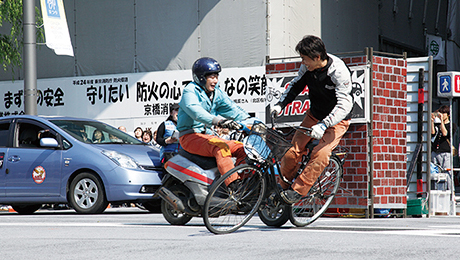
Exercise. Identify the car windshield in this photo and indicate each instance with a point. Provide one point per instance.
(95, 132)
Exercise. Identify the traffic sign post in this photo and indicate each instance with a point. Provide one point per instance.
(449, 84)
(449, 87)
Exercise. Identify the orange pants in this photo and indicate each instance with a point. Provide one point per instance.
(319, 157)
(213, 146)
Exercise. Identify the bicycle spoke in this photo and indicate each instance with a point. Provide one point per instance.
(226, 210)
(320, 196)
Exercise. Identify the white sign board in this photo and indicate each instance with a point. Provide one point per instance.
(449, 84)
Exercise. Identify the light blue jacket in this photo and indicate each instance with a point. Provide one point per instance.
(197, 113)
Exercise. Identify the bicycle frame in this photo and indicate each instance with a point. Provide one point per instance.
(272, 182)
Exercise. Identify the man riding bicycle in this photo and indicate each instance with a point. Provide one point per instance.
(204, 105)
(329, 84)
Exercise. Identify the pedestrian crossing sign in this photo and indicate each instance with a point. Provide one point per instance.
(449, 84)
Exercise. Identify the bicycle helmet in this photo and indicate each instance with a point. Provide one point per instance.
(203, 67)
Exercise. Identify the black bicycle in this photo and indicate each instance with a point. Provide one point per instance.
(226, 209)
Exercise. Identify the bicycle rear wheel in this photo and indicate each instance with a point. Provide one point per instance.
(226, 210)
(320, 196)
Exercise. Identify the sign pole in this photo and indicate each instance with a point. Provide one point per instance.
(451, 170)
(421, 100)
(30, 62)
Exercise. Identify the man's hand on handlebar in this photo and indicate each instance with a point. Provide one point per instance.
(230, 124)
(317, 131)
(275, 110)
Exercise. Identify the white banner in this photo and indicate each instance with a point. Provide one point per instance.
(56, 30)
(131, 100)
(436, 48)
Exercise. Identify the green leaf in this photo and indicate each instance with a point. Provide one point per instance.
(11, 43)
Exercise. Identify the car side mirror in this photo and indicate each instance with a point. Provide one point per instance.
(49, 142)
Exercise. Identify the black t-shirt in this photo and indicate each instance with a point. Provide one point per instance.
(439, 142)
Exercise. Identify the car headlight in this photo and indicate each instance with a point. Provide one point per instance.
(122, 160)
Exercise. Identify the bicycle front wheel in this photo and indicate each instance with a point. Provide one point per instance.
(320, 196)
(226, 210)
(273, 212)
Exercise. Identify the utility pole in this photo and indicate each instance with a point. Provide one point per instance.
(30, 58)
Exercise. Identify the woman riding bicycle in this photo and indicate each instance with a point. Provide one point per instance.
(203, 105)
(329, 83)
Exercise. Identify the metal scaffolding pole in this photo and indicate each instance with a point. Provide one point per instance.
(29, 59)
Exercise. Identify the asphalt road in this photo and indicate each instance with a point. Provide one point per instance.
(130, 233)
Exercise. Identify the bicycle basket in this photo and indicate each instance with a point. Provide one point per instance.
(263, 142)
(256, 148)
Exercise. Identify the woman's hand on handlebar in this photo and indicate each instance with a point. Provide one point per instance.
(230, 124)
(233, 125)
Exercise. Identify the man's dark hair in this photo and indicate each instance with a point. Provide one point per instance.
(312, 47)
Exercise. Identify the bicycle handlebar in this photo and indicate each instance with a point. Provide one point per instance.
(244, 128)
(302, 129)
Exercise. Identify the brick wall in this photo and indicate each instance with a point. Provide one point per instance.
(355, 179)
(389, 135)
(389, 138)
(355, 170)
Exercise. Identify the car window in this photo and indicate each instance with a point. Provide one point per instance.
(4, 132)
(29, 135)
(95, 132)
(66, 144)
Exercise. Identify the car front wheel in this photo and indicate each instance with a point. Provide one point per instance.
(86, 194)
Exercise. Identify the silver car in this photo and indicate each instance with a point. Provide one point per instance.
(85, 163)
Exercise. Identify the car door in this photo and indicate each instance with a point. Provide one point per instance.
(32, 170)
(4, 143)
